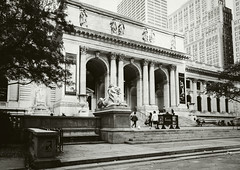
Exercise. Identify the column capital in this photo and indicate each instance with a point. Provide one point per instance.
(121, 57)
(194, 80)
(172, 67)
(83, 50)
(113, 56)
(145, 62)
(152, 64)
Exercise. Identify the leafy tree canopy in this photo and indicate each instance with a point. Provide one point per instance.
(31, 40)
(230, 87)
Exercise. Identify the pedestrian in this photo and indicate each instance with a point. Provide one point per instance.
(134, 118)
(150, 119)
(155, 119)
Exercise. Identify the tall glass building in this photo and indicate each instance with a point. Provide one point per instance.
(207, 29)
(153, 12)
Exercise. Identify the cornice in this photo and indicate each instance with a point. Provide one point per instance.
(116, 40)
(201, 71)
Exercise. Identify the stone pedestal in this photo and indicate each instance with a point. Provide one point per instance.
(43, 148)
(114, 117)
(114, 123)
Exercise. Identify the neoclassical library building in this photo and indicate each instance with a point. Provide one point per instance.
(148, 64)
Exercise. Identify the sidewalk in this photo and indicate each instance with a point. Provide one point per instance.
(80, 154)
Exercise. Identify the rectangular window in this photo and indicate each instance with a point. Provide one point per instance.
(198, 86)
(188, 84)
(71, 89)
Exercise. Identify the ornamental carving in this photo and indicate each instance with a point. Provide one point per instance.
(117, 27)
(82, 16)
(148, 35)
(173, 43)
(113, 98)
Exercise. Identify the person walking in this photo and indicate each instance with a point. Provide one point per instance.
(134, 118)
(155, 119)
(150, 119)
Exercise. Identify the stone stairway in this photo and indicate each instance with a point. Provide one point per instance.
(173, 135)
(81, 135)
(186, 122)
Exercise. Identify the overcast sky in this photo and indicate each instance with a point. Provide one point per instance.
(112, 4)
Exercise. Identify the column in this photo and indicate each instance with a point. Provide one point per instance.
(106, 83)
(214, 103)
(139, 92)
(82, 94)
(177, 87)
(152, 84)
(222, 104)
(204, 97)
(145, 83)
(113, 73)
(173, 85)
(166, 95)
(194, 96)
(121, 76)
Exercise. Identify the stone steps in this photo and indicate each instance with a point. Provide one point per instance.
(77, 135)
(181, 135)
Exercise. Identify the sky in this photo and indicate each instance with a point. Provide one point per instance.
(112, 4)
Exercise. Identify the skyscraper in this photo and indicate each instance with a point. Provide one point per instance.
(153, 12)
(207, 29)
(236, 30)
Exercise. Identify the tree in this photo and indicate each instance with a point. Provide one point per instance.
(31, 41)
(229, 87)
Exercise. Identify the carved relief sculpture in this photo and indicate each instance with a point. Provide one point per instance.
(173, 43)
(117, 27)
(148, 35)
(121, 28)
(82, 16)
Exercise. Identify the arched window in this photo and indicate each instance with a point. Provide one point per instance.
(218, 105)
(3, 89)
(226, 104)
(209, 104)
(199, 103)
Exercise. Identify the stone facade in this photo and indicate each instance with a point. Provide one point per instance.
(109, 49)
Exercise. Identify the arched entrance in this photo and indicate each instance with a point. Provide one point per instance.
(131, 76)
(95, 82)
(160, 87)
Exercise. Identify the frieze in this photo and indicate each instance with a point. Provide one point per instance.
(90, 34)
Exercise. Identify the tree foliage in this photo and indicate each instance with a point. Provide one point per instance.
(229, 87)
(31, 40)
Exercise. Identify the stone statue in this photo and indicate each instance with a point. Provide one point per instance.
(121, 28)
(113, 98)
(173, 43)
(113, 26)
(82, 16)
